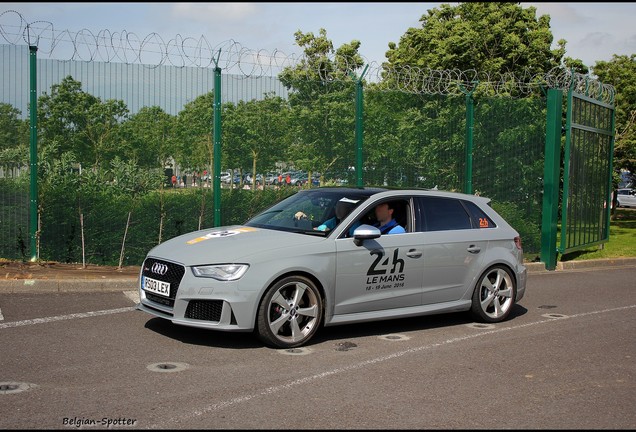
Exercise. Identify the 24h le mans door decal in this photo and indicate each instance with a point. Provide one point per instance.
(382, 271)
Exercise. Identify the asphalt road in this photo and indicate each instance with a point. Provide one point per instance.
(565, 360)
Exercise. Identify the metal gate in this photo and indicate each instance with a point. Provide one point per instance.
(587, 173)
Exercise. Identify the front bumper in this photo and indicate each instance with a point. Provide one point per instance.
(197, 302)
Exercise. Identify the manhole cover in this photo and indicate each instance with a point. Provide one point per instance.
(14, 387)
(554, 315)
(167, 367)
(481, 326)
(394, 337)
(295, 351)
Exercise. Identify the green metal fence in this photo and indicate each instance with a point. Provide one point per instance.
(587, 173)
(110, 136)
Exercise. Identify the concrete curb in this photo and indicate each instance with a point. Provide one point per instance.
(539, 267)
(130, 284)
(66, 285)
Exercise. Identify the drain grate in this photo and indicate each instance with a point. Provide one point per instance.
(394, 337)
(481, 326)
(547, 307)
(8, 387)
(14, 387)
(295, 351)
(554, 315)
(167, 367)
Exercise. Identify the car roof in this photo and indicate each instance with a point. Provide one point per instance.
(389, 192)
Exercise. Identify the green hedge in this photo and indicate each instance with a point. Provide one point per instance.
(168, 213)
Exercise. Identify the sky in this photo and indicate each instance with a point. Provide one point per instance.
(593, 31)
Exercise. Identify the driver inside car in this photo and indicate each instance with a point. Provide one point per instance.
(343, 207)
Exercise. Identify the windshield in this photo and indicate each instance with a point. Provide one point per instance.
(314, 211)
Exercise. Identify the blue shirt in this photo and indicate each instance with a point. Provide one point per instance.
(331, 224)
(391, 227)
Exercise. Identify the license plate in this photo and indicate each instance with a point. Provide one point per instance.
(156, 287)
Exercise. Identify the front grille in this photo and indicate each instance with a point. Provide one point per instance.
(206, 310)
(173, 275)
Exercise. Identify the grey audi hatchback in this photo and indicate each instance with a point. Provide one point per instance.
(330, 256)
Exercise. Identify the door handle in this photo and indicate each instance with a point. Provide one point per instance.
(473, 249)
(414, 253)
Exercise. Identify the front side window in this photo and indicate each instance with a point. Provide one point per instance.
(395, 214)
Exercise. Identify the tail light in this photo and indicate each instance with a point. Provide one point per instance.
(518, 243)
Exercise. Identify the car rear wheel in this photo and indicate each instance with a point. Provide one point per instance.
(290, 312)
(494, 295)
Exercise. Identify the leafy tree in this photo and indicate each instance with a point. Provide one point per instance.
(575, 65)
(148, 137)
(409, 139)
(101, 129)
(322, 102)
(488, 37)
(9, 126)
(620, 72)
(193, 144)
(14, 138)
(73, 120)
(255, 132)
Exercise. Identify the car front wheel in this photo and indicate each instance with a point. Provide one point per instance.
(290, 312)
(494, 295)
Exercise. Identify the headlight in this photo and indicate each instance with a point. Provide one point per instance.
(222, 272)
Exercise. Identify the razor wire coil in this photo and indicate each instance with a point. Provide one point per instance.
(153, 51)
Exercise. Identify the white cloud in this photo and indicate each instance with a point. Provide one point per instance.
(597, 39)
(567, 13)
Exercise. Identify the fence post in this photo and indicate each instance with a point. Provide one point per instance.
(551, 178)
(216, 182)
(359, 128)
(610, 187)
(470, 126)
(33, 144)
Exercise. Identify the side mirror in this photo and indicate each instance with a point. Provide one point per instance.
(365, 232)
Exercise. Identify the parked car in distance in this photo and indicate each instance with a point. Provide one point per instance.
(225, 177)
(259, 179)
(281, 278)
(626, 197)
(302, 178)
(271, 178)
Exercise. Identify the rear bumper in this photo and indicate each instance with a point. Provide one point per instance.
(522, 278)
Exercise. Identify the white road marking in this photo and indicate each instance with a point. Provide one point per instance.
(65, 317)
(133, 295)
(306, 380)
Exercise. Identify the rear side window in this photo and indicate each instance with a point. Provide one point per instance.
(480, 219)
(442, 214)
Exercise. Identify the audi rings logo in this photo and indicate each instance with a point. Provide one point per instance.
(160, 269)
